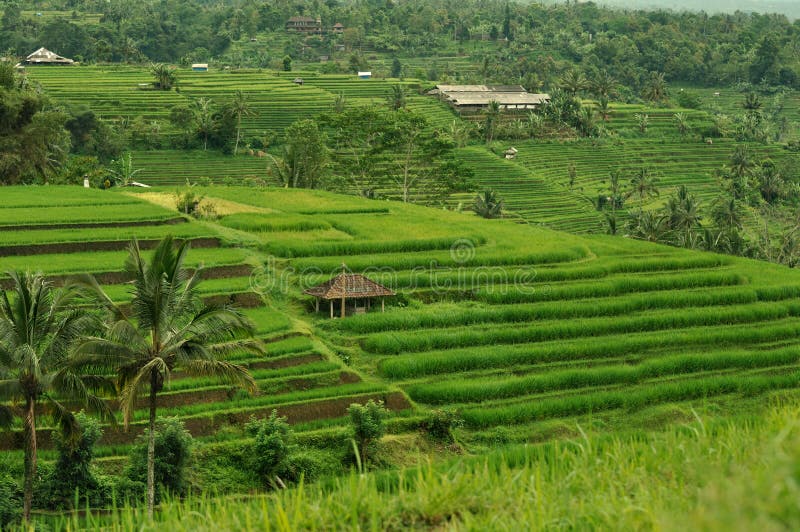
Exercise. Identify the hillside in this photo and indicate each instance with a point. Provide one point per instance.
(523, 330)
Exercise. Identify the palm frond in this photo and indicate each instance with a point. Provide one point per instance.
(226, 371)
(134, 383)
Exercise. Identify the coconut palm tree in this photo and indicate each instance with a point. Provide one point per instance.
(603, 85)
(397, 97)
(655, 88)
(167, 328)
(644, 184)
(204, 119)
(573, 82)
(642, 121)
(492, 113)
(39, 325)
(681, 123)
(488, 204)
(239, 108)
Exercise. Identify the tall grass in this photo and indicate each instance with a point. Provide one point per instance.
(669, 480)
(471, 390)
(361, 247)
(393, 343)
(492, 357)
(260, 223)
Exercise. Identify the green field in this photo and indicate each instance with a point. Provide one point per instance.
(525, 332)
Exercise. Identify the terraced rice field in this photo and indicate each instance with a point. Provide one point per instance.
(71, 230)
(519, 328)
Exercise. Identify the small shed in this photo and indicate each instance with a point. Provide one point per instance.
(365, 75)
(338, 28)
(200, 67)
(352, 292)
(43, 56)
(298, 81)
(510, 153)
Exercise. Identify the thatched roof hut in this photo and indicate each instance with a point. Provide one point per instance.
(352, 287)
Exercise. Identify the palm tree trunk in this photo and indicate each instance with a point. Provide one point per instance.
(30, 457)
(151, 447)
(238, 132)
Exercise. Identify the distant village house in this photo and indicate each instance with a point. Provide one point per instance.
(43, 56)
(304, 24)
(200, 67)
(476, 98)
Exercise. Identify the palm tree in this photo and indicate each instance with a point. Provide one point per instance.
(644, 184)
(727, 214)
(573, 81)
(649, 225)
(770, 182)
(603, 85)
(38, 328)
(684, 211)
(488, 204)
(655, 88)
(642, 120)
(239, 108)
(397, 97)
(492, 116)
(165, 76)
(681, 123)
(122, 170)
(587, 122)
(751, 102)
(204, 119)
(168, 328)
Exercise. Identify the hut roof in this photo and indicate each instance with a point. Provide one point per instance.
(43, 55)
(302, 19)
(348, 285)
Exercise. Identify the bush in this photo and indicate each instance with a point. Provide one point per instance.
(368, 425)
(10, 501)
(440, 424)
(272, 447)
(187, 201)
(72, 471)
(173, 452)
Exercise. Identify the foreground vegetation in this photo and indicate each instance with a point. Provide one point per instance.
(704, 475)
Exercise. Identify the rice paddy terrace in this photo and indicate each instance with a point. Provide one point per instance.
(525, 331)
(534, 185)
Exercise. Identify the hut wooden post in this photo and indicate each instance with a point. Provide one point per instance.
(316, 301)
(331, 301)
(383, 309)
(343, 306)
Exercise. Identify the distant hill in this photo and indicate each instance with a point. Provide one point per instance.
(786, 7)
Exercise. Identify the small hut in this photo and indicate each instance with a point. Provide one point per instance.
(200, 67)
(351, 291)
(43, 56)
(365, 75)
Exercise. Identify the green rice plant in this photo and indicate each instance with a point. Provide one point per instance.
(125, 212)
(505, 356)
(103, 234)
(407, 261)
(267, 320)
(361, 247)
(395, 343)
(472, 390)
(62, 196)
(262, 223)
(452, 315)
(622, 285)
(176, 385)
(628, 398)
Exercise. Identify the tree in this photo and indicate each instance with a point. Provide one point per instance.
(681, 123)
(770, 181)
(642, 121)
(655, 88)
(643, 184)
(368, 425)
(167, 328)
(649, 225)
(304, 156)
(603, 85)
(397, 97)
(39, 325)
(573, 82)
(239, 108)
(612, 201)
(397, 68)
(492, 115)
(165, 77)
(272, 448)
(488, 205)
(287, 63)
(587, 123)
(684, 211)
(122, 170)
(204, 119)
(727, 213)
(172, 446)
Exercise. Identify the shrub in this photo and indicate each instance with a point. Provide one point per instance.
(272, 448)
(441, 423)
(173, 446)
(10, 501)
(368, 425)
(72, 471)
(187, 201)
